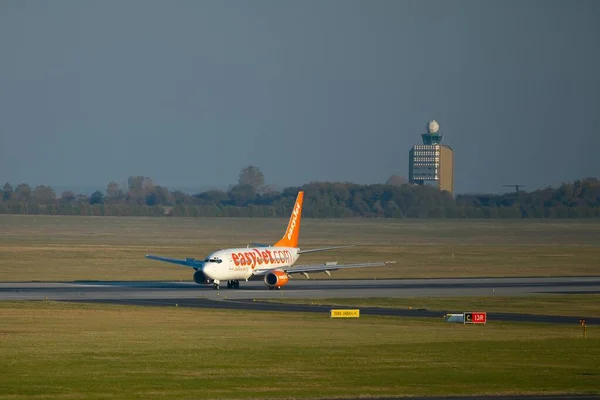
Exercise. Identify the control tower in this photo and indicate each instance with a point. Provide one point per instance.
(432, 163)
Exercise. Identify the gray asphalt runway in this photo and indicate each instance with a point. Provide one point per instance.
(189, 294)
(301, 288)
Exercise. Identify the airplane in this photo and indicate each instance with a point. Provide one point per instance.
(274, 264)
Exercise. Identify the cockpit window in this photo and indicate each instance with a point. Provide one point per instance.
(214, 260)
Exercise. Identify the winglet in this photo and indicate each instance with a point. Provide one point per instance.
(290, 238)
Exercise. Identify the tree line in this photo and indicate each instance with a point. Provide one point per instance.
(250, 197)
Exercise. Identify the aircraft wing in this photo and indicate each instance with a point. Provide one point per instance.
(304, 269)
(323, 249)
(188, 262)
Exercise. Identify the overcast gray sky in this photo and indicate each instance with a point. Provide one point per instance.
(190, 92)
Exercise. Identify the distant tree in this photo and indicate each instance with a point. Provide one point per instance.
(97, 197)
(151, 199)
(23, 192)
(44, 194)
(7, 192)
(396, 180)
(114, 191)
(82, 198)
(68, 196)
(213, 197)
(251, 176)
(181, 198)
(359, 205)
(139, 188)
(163, 196)
(135, 183)
(140, 184)
(578, 199)
(241, 195)
(269, 190)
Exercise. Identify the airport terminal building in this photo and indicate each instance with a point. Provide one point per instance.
(432, 163)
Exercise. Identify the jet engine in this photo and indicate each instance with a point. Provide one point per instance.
(276, 279)
(200, 278)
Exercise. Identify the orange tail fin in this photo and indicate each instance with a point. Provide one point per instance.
(290, 238)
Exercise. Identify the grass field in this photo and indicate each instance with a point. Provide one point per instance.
(108, 248)
(61, 351)
(577, 305)
(54, 350)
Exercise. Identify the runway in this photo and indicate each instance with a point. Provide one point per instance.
(251, 293)
(300, 288)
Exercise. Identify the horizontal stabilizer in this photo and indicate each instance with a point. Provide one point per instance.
(334, 267)
(323, 249)
(303, 269)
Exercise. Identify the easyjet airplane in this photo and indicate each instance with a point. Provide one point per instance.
(273, 263)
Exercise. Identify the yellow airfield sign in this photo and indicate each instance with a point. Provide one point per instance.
(344, 313)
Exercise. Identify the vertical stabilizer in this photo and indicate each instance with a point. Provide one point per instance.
(290, 238)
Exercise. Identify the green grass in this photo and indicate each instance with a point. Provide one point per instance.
(60, 350)
(50, 248)
(577, 305)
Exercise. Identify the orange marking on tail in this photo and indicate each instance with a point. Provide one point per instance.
(290, 238)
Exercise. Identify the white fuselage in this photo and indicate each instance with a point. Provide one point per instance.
(240, 264)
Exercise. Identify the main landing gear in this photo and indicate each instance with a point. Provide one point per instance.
(233, 284)
(230, 285)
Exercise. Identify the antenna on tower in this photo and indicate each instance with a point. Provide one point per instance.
(515, 186)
